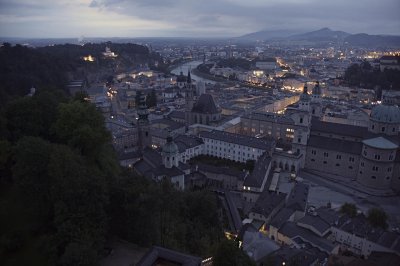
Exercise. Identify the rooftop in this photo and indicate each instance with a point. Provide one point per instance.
(267, 202)
(338, 129)
(297, 199)
(292, 230)
(339, 145)
(316, 222)
(177, 114)
(256, 178)
(171, 257)
(380, 143)
(269, 117)
(164, 123)
(386, 113)
(205, 105)
(281, 217)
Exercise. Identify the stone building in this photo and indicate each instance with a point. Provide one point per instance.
(368, 155)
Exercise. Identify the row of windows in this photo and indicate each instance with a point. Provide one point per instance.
(227, 143)
(338, 156)
(383, 129)
(374, 177)
(377, 156)
(234, 152)
(376, 168)
(337, 165)
(234, 158)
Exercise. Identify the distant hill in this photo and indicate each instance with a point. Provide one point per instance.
(324, 34)
(366, 40)
(268, 35)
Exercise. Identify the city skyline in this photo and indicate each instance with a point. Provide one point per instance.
(220, 18)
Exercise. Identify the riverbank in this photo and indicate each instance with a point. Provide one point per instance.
(203, 75)
(192, 67)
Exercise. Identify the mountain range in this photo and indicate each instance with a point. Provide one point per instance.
(325, 35)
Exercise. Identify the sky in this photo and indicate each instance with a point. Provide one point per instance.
(192, 18)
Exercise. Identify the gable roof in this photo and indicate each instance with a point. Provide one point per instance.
(281, 217)
(205, 105)
(292, 230)
(339, 145)
(316, 222)
(261, 167)
(337, 129)
(177, 114)
(267, 202)
(297, 199)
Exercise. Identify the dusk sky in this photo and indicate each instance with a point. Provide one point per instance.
(188, 18)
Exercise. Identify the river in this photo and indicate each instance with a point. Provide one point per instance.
(190, 65)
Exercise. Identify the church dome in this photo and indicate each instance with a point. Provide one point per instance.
(386, 114)
(170, 147)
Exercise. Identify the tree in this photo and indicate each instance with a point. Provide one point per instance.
(32, 156)
(227, 253)
(23, 118)
(377, 218)
(81, 126)
(32, 116)
(79, 197)
(349, 209)
(5, 159)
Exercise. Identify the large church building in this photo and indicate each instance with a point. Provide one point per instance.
(369, 155)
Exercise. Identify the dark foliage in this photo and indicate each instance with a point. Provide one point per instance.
(364, 75)
(227, 253)
(349, 209)
(377, 218)
(146, 213)
(67, 192)
(235, 63)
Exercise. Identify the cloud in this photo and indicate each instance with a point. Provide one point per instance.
(193, 17)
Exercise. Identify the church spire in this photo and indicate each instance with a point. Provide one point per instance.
(143, 113)
(305, 89)
(317, 89)
(189, 78)
(144, 137)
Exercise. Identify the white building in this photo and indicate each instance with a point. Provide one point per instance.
(235, 147)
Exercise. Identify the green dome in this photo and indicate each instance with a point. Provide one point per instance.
(386, 114)
(170, 147)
